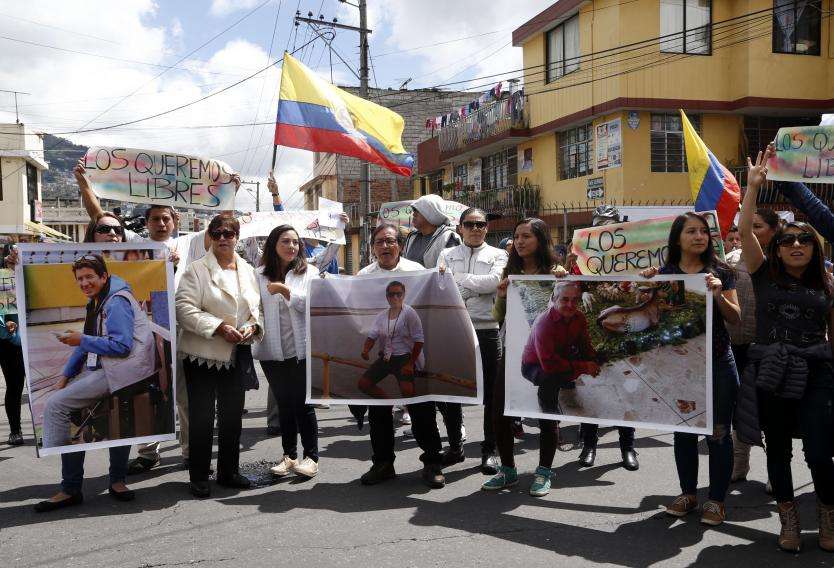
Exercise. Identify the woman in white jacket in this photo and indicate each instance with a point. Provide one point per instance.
(476, 268)
(283, 279)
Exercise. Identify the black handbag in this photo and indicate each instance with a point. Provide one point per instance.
(245, 367)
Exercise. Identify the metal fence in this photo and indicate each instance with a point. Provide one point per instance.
(488, 121)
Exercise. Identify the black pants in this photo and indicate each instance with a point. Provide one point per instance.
(11, 363)
(288, 381)
(490, 343)
(590, 436)
(813, 419)
(423, 426)
(208, 386)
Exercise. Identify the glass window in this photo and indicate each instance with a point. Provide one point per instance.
(461, 175)
(436, 182)
(499, 170)
(576, 148)
(563, 49)
(686, 26)
(796, 26)
(667, 150)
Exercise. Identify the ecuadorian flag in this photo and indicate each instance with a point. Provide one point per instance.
(317, 116)
(713, 186)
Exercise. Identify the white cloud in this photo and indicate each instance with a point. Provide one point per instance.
(221, 8)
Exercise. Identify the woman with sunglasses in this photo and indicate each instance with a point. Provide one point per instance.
(283, 278)
(476, 268)
(788, 385)
(218, 308)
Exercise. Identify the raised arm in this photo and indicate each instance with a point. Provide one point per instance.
(88, 198)
(818, 213)
(272, 185)
(750, 246)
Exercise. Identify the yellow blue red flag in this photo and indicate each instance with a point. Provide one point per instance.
(318, 116)
(713, 186)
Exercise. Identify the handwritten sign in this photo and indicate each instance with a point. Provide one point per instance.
(148, 176)
(399, 212)
(305, 223)
(803, 153)
(628, 248)
(8, 301)
(330, 213)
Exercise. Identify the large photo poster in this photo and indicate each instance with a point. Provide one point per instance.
(96, 324)
(611, 351)
(395, 338)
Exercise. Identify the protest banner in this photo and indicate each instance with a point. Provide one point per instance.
(330, 213)
(8, 302)
(399, 212)
(804, 154)
(163, 178)
(87, 391)
(628, 248)
(635, 353)
(357, 355)
(306, 224)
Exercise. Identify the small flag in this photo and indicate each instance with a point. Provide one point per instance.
(713, 186)
(317, 116)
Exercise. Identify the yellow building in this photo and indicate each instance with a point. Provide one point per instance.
(603, 82)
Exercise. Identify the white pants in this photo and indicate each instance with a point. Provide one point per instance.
(80, 392)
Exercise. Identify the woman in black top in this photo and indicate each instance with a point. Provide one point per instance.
(788, 386)
(691, 252)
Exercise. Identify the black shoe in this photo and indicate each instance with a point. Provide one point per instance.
(378, 473)
(186, 464)
(630, 459)
(141, 465)
(452, 456)
(128, 495)
(587, 456)
(489, 464)
(273, 430)
(47, 506)
(236, 481)
(16, 439)
(200, 489)
(433, 476)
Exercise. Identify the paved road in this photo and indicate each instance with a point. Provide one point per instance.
(604, 516)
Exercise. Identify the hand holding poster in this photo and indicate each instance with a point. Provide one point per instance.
(617, 353)
(306, 224)
(148, 176)
(363, 334)
(628, 248)
(87, 387)
(803, 154)
(399, 212)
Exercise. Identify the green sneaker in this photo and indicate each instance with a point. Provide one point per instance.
(506, 477)
(541, 482)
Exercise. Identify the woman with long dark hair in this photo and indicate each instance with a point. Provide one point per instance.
(283, 278)
(691, 252)
(532, 253)
(788, 385)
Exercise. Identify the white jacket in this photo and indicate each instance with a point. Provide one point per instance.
(477, 272)
(203, 304)
(269, 349)
(404, 265)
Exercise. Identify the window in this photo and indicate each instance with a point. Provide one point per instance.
(667, 150)
(436, 182)
(499, 170)
(576, 152)
(562, 49)
(796, 26)
(686, 26)
(460, 175)
(32, 189)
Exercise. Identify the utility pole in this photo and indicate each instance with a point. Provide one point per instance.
(15, 93)
(257, 196)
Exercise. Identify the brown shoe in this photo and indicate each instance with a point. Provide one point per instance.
(790, 537)
(713, 513)
(825, 514)
(682, 505)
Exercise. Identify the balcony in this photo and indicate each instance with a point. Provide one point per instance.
(502, 119)
(517, 201)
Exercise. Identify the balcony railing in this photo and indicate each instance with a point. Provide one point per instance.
(517, 201)
(484, 123)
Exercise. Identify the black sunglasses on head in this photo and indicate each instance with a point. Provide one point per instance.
(474, 225)
(788, 240)
(106, 229)
(223, 233)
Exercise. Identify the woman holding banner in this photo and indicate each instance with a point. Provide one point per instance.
(788, 384)
(283, 279)
(691, 252)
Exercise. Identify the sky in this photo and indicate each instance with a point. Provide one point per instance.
(90, 64)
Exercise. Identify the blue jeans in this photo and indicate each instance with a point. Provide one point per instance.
(72, 468)
(720, 443)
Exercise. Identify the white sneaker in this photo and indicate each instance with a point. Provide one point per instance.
(307, 468)
(462, 433)
(286, 465)
(405, 419)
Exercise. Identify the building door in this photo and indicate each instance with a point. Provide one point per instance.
(32, 189)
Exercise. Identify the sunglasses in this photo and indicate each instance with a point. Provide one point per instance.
(107, 229)
(474, 225)
(789, 240)
(83, 259)
(394, 294)
(225, 234)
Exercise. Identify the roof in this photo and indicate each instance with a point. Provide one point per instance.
(544, 20)
(34, 157)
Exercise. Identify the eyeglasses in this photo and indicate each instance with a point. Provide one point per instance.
(107, 229)
(474, 225)
(394, 294)
(804, 239)
(385, 242)
(223, 233)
